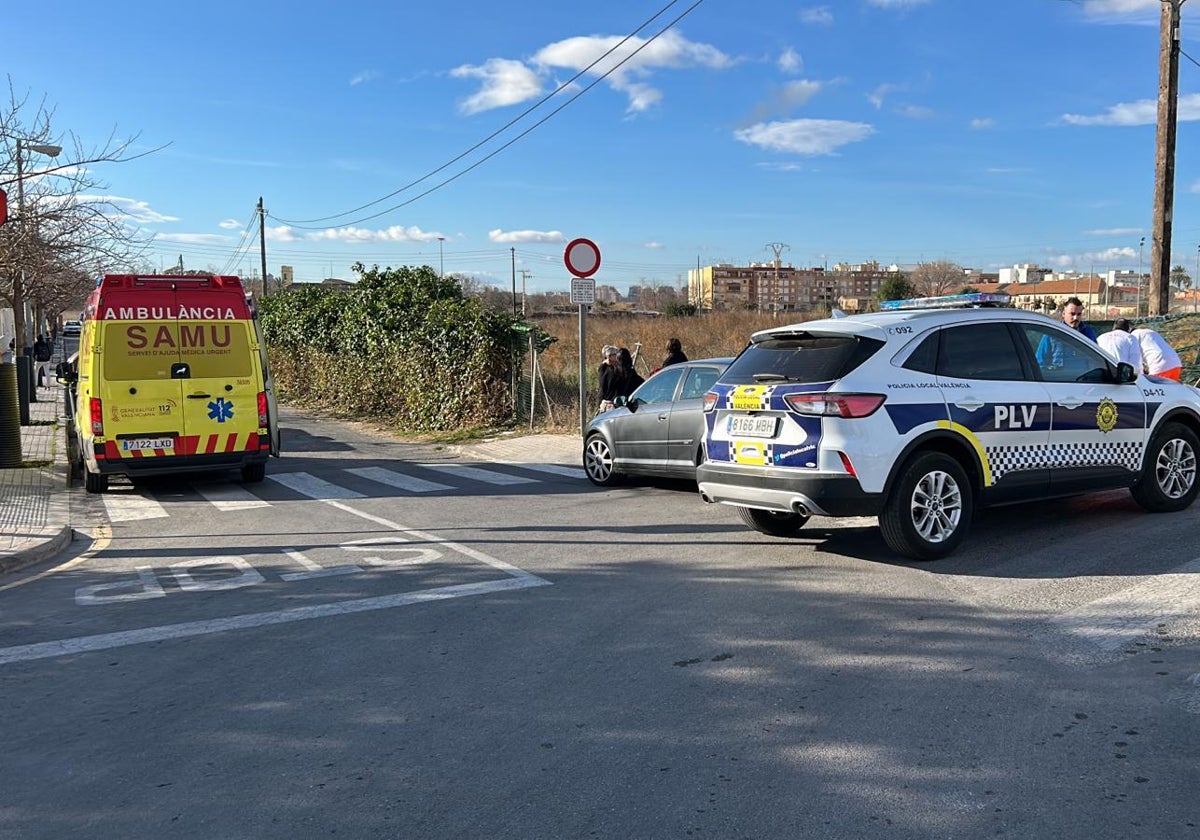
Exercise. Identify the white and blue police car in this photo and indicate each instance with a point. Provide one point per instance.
(932, 408)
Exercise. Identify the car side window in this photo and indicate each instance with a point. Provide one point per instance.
(979, 351)
(1062, 357)
(924, 358)
(699, 381)
(660, 387)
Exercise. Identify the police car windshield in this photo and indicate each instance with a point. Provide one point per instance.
(802, 357)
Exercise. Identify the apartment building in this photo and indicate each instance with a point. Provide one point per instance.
(785, 288)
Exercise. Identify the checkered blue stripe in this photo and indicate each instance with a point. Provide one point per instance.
(1005, 459)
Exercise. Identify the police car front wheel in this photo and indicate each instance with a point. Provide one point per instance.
(775, 523)
(1168, 481)
(930, 508)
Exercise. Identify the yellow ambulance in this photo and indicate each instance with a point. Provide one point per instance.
(171, 376)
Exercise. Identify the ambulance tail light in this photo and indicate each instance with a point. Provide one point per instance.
(263, 421)
(710, 402)
(96, 415)
(835, 405)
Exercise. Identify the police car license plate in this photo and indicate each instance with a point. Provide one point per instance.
(143, 444)
(748, 425)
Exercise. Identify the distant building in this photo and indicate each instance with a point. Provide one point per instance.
(785, 288)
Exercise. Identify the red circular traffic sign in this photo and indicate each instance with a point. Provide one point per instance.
(582, 257)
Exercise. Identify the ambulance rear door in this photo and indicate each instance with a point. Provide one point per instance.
(220, 382)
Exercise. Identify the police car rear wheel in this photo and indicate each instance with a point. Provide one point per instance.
(598, 462)
(930, 508)
(773, 522)
(1168, 482)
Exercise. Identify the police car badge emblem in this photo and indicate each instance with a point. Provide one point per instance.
(1106, 415)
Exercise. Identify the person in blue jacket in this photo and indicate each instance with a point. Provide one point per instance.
(1050, 352)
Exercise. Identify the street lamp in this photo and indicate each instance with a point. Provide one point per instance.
(441, 261)
(1196, 280)
(1138, 311)
(18, 295)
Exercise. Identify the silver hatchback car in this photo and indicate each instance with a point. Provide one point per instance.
(658, 430)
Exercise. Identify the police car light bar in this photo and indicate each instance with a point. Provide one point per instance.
(948, 301)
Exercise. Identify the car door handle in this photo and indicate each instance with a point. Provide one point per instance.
(662, 418)
(199, 396)
(1069, 402)
(971, 404)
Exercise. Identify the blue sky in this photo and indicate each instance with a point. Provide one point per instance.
(986, 132)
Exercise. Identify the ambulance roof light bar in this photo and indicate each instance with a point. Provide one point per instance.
(970, 300)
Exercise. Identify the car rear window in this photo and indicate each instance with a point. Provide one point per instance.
(801, 357)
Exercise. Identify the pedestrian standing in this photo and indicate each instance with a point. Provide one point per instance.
(1158, 357)
(675, 353)
(1121, 345)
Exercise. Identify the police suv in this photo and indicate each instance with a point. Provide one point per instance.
(932, 408)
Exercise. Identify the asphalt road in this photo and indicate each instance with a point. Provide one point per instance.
(345, 650)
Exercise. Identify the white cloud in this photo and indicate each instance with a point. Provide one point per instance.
(1112, 8)
(526, 236)
(817, 16)
(654, 246)
(1115, 232)
(283, 233)
(395, 233)
(505, 82)
(877, 96)
(980, 123)
(364, 76)
(229, 224)
(790, 62)
(131, 208)
(916, 112)
(804, 137)
(193, 238)
(800, 91)
(897, 4)
(1142, 112)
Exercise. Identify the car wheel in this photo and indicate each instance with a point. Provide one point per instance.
(598, 462)
(773, 522)
(1168, 480)
(254, 472)
(94, 482)
(929, 510)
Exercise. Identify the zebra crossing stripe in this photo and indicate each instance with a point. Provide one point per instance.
(397, 479)
(553, 469)
(230, 497)
(313, 487)
(128, 507)
(477, 474)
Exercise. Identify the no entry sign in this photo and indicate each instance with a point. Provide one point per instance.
(582, 257)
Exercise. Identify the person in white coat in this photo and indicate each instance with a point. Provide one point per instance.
(1122, 346)
(1157, 356)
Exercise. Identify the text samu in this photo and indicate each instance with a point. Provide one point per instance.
(200, 335)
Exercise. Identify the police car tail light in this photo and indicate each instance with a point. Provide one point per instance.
(847, 465)
(262, 410)
(96, 415)
(835, 405)
(710, 402)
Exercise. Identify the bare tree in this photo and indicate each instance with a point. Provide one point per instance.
(938, 278)
(65, 230)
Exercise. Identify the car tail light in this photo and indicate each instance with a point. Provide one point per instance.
(263, 422)
(96, 415)
(835, 405)
(846, 463)
(710, 402)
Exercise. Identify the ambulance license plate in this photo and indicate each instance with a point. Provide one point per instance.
(751, 425)
(143, 444)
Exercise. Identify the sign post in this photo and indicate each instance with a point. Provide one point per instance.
(582, 259)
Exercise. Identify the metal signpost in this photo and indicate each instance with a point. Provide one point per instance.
(582, 259)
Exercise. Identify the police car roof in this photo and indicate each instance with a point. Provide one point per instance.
(876, 323)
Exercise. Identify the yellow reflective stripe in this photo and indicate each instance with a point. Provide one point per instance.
(974, 441)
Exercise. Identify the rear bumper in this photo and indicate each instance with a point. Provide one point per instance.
(173, 464)
(821, 494)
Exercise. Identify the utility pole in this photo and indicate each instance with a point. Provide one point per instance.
(778, 248)
(525, 275)
(262, 242)
(1164, 158)
(513, 252)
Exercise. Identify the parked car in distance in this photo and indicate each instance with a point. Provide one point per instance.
(656, 431)
(74, 328)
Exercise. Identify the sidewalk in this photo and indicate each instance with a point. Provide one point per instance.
(35, 521)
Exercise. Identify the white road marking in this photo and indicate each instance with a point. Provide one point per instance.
(313, 487)
(477, 474)
(1116, 620)
(399, 479)
(555, 469)
(106, 641)
(314, 569)
(129, 507)
(230, 497)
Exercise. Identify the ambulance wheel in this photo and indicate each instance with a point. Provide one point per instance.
(598, 462)
(94, 482)
(254, 473)
(929, 510)
(1168, 481)
(773, 522)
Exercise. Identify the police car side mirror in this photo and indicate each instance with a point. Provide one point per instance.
(1125, 373)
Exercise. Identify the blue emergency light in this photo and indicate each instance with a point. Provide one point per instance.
(973, 299)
